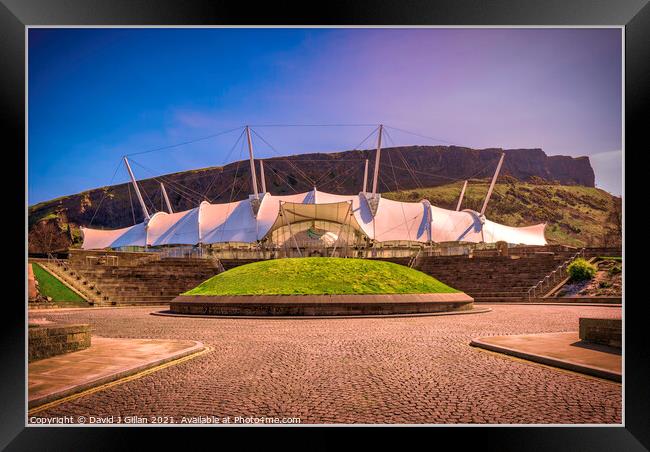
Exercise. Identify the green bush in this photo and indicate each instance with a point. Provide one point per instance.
(615, 270)
(580, 270)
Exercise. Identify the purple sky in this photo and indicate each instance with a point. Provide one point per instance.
(95, 95)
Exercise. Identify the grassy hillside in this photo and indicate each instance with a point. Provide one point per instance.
(576, 215)
(50, 286)
(319, 275)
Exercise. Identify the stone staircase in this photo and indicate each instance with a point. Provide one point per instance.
(75, 281)
(150, 279)
(152, 282)
(490, 279)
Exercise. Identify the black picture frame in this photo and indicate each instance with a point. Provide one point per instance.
(15, 15)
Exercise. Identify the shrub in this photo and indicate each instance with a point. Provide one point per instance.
(580, 270)
(615, 270)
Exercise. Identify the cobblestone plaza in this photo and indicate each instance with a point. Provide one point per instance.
(408, 370)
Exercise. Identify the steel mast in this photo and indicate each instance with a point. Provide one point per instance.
(378, 156)
(164, 193)
(252, 160)
(137, 190)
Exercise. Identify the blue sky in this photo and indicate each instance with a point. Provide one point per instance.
(97, 94)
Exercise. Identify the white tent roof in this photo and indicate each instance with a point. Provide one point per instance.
(529, 235)
(397, 220)
(453, 226)
(231, 222)
(174, 228)
(237, 222)
(98, 238)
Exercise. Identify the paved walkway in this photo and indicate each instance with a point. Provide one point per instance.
(104, 361)
(565, 350)
(418, 370)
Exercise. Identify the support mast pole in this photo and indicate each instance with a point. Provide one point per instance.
(164, 192)
(262, 176)
(250, 155)
(137, 190)
(365, 178)
(376, 175)
(494, 180)
(460, 199)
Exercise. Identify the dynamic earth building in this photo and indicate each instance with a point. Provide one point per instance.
(317, 217)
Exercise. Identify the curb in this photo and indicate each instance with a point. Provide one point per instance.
(317, 317)
(549, 361)
(35, 403)
(599, 305)
(93, 308)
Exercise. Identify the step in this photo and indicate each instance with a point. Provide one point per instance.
(482, 299)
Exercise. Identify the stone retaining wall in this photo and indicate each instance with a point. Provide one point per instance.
(77, 257)
(50, 340)
(320, 305)
(602, 331)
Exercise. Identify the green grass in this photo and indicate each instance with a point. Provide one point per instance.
(49, 286)
(320, 275)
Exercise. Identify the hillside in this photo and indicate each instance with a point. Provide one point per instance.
(577, 216)
(54, 224)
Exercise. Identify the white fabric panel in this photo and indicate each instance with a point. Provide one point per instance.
(231, 222)
(528, 235)
(269, 209)
(96, 239)
(304, 198)
(267, 215)
(452, 226)
(395, 221)
(329, 198)
(235, 222)
(180, 228)
(337, 212)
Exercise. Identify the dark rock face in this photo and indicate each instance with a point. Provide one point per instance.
(577, 169)
(342, 172)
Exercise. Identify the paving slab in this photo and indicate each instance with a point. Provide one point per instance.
(106, 360)
(565, 350)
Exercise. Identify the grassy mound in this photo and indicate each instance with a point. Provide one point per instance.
(50, 286)
(320, 275)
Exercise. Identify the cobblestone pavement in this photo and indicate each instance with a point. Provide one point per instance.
(390, 370)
